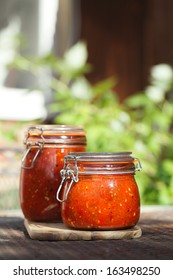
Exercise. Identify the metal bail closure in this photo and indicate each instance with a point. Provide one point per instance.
(34, 158)
(66, 174)
(138, 166)
(29, 147)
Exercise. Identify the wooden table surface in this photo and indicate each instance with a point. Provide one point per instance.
(156, 241)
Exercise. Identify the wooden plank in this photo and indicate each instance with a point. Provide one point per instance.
(58, 231)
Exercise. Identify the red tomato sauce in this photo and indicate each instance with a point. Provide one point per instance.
(40, 177)
(38, 186)
(102, 202)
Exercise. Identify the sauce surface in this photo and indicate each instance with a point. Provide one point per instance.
(102, 202)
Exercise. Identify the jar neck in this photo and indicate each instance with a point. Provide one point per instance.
(102, 168)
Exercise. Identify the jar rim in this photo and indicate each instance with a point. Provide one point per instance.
(54, 127)
(99, 156)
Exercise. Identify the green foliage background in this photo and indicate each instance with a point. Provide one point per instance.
(142, 123)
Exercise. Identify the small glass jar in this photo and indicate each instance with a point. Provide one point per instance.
(46, 146)
(99, 190)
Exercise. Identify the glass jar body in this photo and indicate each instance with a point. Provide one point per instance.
(99, 190)
(102, 202)
(40, 178)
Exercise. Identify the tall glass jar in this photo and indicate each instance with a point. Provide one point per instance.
(99, 190)
(46, 146)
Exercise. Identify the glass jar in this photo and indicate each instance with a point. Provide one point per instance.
(99, 190)
(46, 146)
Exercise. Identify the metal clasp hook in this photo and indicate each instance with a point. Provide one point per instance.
(29, 146)
(34, 158)
(67, 174)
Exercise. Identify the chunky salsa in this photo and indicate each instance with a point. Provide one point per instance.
(102, 202)
(100, 191)
(39, 184)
